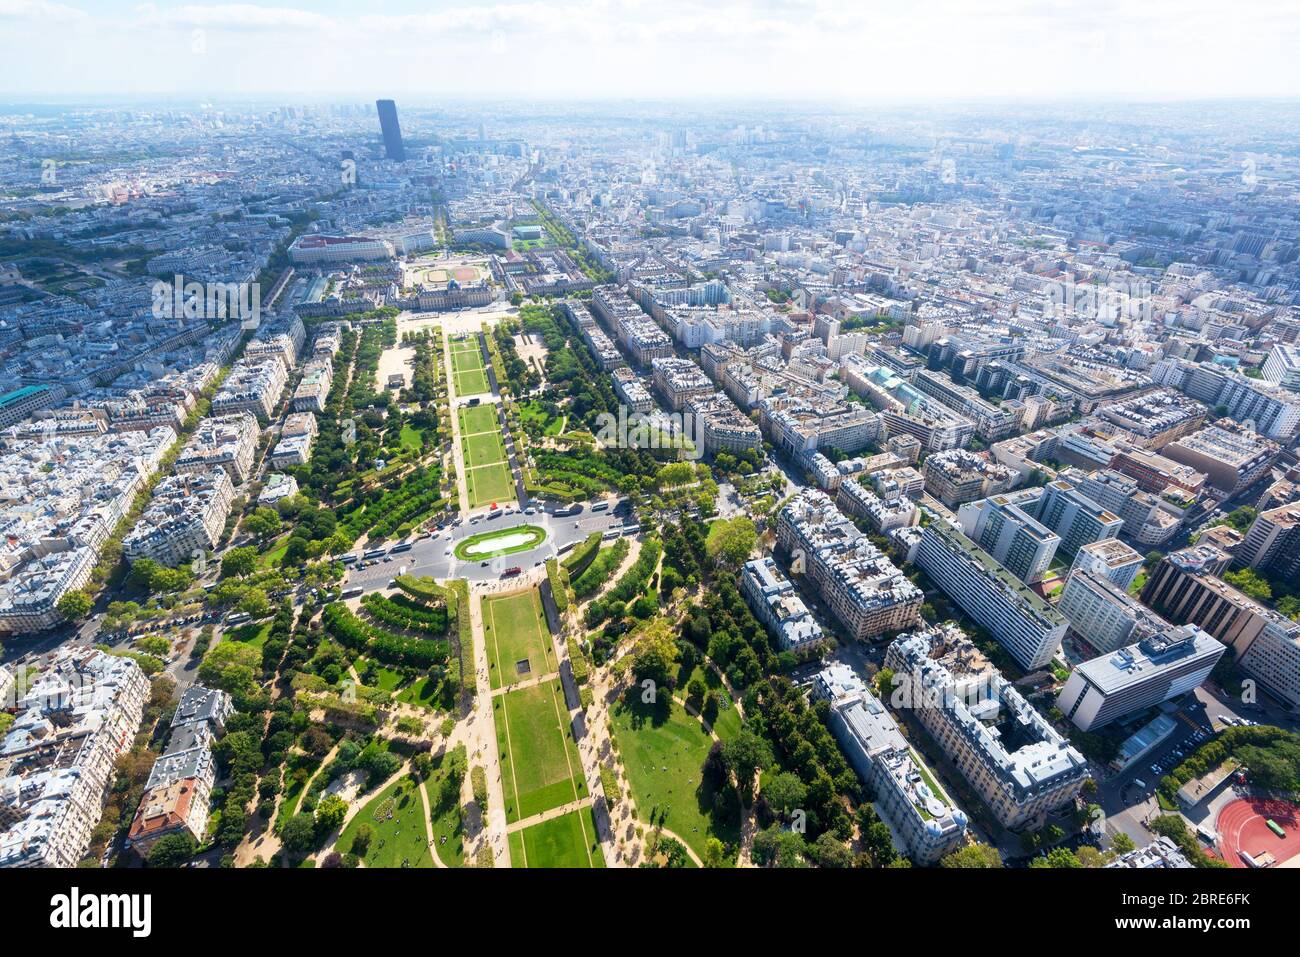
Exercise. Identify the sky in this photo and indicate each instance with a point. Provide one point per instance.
(853, 50)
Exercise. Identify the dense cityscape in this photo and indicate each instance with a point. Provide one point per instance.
(485, 484)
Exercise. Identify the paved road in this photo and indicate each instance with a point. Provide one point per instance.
(429, 556)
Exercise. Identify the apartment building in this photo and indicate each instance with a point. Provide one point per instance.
(226, 440)
(1012, 757)
(297, 436)
(721, 426)
(1111, 559)
(314, 388)
(253, 385)
(923, 817)
(1075, 517)
(1185, 588)
(1012, 535)
(883, 515)
(957, 476)
(1232, 459)
(632, 391)
(1272, 544)
(177, 796)
(1161, 666)
(679, 379)
(1147, 520)
(865, 592)
(1154, 419)
(1102, 614)
(1029, 628)
(184, 519)
(57, 759)
(992, 422)
(777, 605)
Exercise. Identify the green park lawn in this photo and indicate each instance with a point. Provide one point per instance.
(540, 768)
(532, 412)
(515, 628)
(396, 818)
(412, 439)
(663, 751)
(254, 633)
(474, 382)
(486, 448)
(566, 841)
(490, 483)
(479, 418)
(479, 547)
(444, 813)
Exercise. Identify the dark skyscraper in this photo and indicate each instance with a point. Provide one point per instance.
(392, 132)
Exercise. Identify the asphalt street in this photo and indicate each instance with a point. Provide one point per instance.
(435, 557)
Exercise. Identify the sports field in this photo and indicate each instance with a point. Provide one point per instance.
(467, 366)
(1243, 826)
(540, 768)
(487, 471)
(514, 627)
(569, 840)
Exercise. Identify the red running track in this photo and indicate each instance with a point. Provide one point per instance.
(1242, 826)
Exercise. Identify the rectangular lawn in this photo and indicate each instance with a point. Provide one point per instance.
(540, 768)
(515, 628)
(491, 483)
(486, 448)
(479, 418)
(565, 841)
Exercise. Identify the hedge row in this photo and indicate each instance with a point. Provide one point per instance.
(601, 568)
(346, 628)
(582, 555)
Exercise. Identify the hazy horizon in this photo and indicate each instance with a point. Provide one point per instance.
(602, 50)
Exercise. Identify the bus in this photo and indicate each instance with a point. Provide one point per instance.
(600, 506)
(353, 592)
(1275, 828)
(374, 553)
(349, 558)
(512, 571)
(404, 547)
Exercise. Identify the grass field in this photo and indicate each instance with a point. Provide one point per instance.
(532, 412)
(491, 483)
(412, 439)
(472, 383)
(479, 418)
(540, 768)
(486, 448)
(254, 633)
(491, 544)
(565, 841)
(663, 752)
(514, 627)
(396, 819)
(444, 813)
(467, 366)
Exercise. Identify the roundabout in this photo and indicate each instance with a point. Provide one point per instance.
(504, 541)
